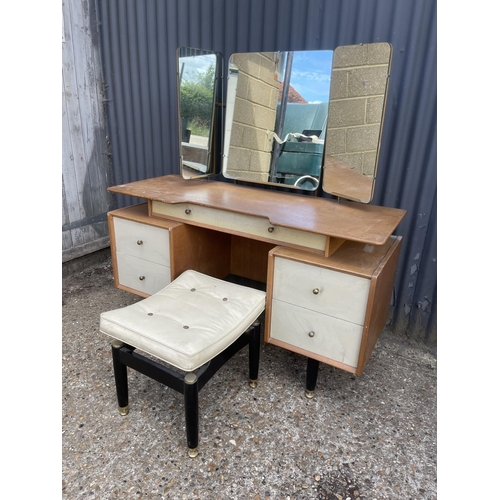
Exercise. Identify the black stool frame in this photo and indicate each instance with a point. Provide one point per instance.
(189, 383)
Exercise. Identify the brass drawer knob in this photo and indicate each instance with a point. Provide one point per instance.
(142, 278)
(270, 229)
(316, 291)
(139, 242)
(187, 211)
(311, 334)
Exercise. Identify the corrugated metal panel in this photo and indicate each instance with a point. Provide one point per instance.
(84, 160)
(139, 42)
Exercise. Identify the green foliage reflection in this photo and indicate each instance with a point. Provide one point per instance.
(196, 96)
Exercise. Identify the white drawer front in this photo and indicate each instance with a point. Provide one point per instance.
(143, 241)
(142, 275)
(337, 294)
(240, 223)
(331, 337)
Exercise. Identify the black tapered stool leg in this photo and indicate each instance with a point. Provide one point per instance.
(311, 376)
(254, 354)
(191, 409)
(121, 381)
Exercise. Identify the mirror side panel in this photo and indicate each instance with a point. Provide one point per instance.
(198, 82)
(360, 79)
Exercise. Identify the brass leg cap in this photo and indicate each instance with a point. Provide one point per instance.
(252, 383)
(309, 394)
(193, 452)
(123, 410)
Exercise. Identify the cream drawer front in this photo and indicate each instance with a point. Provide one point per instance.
(240, 223)
(143, 241)
(142, 275)
(317, 333)
(337, 294)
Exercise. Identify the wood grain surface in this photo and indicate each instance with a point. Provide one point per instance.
(339, 219)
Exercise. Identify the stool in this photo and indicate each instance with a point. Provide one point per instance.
(194, 324)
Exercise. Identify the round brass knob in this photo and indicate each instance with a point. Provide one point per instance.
(316, 291)
(311, 334)
(270, 229)
(139, 242)
(142, 278)
(187, 211)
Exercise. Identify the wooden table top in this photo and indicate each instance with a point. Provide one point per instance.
(339, 219)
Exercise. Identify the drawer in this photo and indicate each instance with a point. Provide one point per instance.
(332, 337)
(323, 290)
(142, 240)
(238, 223)
(141, 275)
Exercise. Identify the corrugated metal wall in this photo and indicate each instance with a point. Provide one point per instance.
(139, 39)
(85, 200)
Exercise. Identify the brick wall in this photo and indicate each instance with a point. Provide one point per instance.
(359, 80)
(254, 113)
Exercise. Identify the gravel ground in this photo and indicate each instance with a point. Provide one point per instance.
(372, 437)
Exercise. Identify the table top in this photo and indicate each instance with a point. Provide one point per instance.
(339, 219)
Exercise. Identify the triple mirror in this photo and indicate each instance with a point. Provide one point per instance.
(302, 120)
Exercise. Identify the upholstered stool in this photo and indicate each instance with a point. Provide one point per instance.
(194, 324)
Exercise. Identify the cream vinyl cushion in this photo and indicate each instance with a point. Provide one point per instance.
(188, 322)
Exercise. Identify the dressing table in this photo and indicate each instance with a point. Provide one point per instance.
(328, 265)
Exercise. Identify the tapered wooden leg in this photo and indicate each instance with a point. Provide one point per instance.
(254, 353)
(121, 381)
(311, 376)
(191, 410)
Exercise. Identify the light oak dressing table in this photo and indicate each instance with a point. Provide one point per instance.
(328, 266)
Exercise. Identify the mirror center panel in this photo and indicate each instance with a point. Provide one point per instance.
(276, 117)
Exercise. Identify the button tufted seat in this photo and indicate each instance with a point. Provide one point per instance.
(194, 324)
